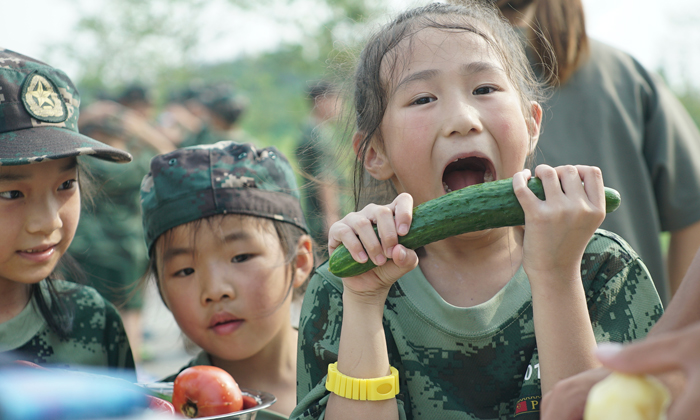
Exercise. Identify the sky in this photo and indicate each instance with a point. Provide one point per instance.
(659, 33)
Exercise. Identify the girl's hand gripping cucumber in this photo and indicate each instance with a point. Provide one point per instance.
(477, 207)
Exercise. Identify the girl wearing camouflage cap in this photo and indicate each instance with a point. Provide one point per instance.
(44, 319)
(229, 249)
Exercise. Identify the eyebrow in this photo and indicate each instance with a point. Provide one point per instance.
(417, 76)
(466, 69)
(174, 252)
(231, 237)
(480, 67)
(72, 164)
(237, 236)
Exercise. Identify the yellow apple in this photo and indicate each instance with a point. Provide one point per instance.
(627, 397)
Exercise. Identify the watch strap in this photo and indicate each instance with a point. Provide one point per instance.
(373, 389)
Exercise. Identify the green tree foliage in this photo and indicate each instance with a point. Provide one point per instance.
(155, 43)
(687, 93)
(121, 41)
(690, 98)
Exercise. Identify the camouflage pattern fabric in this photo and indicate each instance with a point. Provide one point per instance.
(472, 363)
(98, 337)
(39, 107)
(108, 243)
(208, 135)
(314, 159)
(227, 177)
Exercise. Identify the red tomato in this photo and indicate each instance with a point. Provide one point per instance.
(202, 391)
(249, 402)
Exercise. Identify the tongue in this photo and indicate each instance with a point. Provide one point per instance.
(457, 180)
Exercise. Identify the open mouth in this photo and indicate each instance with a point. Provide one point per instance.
(465, 172)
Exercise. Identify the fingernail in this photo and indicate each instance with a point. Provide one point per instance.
(403, 229)
(402, 254)
(380, 259)
(363, 256)
(608, 350)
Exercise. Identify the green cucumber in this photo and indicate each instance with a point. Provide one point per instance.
(477, 207)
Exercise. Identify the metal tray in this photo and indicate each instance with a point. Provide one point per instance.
(264, 399)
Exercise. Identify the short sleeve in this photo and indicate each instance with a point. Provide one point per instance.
(319, 336)
(672, 153)
(622, 300)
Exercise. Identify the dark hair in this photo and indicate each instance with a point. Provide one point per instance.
(52, 303)
(134, 93)
(223, 100)
(320, 88)
(371, 92)
(287, 234)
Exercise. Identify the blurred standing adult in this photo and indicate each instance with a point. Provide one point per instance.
(321, 193)
(108, 243)
(606, 110)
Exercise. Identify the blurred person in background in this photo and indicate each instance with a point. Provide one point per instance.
(314, 152)
(606, 110)
(137, 97)
(108, 243)
(218, 107)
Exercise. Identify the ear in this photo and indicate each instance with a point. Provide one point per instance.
(534, 124)
(376, 162)
(305, 260)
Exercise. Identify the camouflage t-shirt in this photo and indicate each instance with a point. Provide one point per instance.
(471, 363)
(97, 338)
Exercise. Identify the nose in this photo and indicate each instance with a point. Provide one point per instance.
(44, 215)
(216, 284)
(461, 117)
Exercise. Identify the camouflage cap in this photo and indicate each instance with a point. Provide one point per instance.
(222, 178)
(39, 107)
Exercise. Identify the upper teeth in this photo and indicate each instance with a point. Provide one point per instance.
(32, 250)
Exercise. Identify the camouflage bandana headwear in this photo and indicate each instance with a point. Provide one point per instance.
(39, 107)
(222, 178)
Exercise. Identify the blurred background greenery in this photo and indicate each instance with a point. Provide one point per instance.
(158, 43)
(154, 43)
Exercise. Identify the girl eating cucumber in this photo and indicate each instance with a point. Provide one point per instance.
(479, 325)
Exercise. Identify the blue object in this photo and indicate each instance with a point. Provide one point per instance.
(56, 394)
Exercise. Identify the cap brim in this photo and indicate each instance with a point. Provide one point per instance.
(36, 144)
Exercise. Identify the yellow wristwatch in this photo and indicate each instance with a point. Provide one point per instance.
(374, 389)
